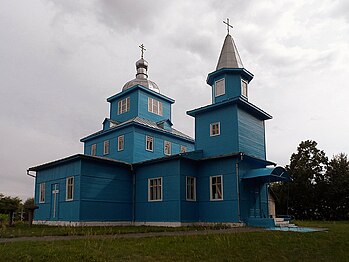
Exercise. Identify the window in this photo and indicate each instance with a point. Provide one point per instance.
(191, 188)
(216, 188)
(149, 142)
(167, 148)
(93, 149)
(183, 149)
(220, 87)
(154, 106)
(155, 189)
(244, 88)
(42, 193)
(120, 143)
(69, 188)
(124, 105)
(106, 147)
(215, 129)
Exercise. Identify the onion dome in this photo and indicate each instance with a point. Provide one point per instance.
(142, 77)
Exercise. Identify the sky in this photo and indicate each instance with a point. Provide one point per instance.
(60, 60)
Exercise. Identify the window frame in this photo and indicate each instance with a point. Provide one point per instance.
(216, 94)
(124, 105)
(67, 186)
(193, 188)
(42, 192)
(93, 149)
(106, 147)
(152, 143)
(169, 148)
(155, 106)
(219, 128)
(211, 191)
(150, 192)
(243, 85)
(183, 149)
(121, 141)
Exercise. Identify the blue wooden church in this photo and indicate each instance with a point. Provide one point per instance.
(140, 170)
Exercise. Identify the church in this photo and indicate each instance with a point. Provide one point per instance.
(139, 170)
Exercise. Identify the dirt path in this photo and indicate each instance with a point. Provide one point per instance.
(134, 235)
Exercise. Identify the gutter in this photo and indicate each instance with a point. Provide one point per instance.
(28, 174)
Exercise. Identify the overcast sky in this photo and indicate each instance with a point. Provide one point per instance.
(60, 60)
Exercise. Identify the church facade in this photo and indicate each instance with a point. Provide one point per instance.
(139, 170)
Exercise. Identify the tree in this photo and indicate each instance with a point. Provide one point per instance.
(338, 190)
(308, 170)
(8, 205)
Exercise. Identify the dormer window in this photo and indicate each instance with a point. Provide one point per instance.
(124, 105)
(244, 88)
(219, 87)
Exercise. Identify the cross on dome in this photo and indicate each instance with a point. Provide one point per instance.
(142, 50)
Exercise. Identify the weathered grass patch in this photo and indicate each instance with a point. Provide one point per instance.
(250, 246)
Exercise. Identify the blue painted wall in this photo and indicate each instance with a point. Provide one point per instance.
(227, 141)
(232, 87)
(143, 107)
(106, 192)
(127, 115)
(167, 210)
(66, 210)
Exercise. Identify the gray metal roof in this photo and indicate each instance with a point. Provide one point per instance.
(229, 57)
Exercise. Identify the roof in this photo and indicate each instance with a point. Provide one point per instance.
(78, 157)
(275, 174)
(243, 103)
(229, 57)
(143, 123)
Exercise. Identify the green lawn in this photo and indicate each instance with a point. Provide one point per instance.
(250, 246)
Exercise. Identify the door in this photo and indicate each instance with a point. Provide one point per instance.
(255, 200)
(55, 201)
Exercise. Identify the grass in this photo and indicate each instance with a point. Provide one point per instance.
(250, 246)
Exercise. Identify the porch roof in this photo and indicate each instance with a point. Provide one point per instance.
(276, 174)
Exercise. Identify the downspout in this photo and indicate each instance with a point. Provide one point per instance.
(238, 184)
(133, 195)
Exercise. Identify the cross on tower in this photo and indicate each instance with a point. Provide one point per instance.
(228, 25)
(142, 50)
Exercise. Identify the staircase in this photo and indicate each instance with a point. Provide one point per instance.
(282, 222)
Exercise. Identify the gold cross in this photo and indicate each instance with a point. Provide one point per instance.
(228, 25)
(142, 50)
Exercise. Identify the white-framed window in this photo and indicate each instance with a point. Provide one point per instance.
(191, 188)
(216, 188)
(93, 149)
(42, 192)
(215, 129)
(69, 193)
(167, 148)
(219, 87)
(121, 143)
(244, 88)
(183, 149)
(154, 106)
(124, 105)
(149, 143)
(106, 147)
(155, 189)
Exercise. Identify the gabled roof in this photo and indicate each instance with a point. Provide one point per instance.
(143, 123)
(241, 102)
(229, 57)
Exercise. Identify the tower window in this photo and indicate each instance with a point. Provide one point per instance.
(69, 188)
(124, 105)
(106, 147)
(215, 129)
(167, 148)
(244, 88)
(155, 189)
(183, 149)
(93, 149)
(149, 141)
(120, 143)
(220, 87)
(42, 193)
(154, 106)
(216, 188)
